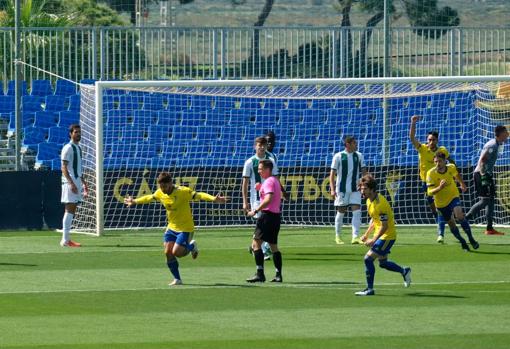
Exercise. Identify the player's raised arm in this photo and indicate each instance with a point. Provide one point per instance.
(412, 131)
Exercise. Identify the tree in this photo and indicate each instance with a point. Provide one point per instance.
(92, 13)
(423, 13)
(35, 13)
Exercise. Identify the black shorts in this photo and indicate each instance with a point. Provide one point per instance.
(484, 185)
(268, 227)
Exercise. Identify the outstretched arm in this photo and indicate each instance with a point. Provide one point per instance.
(130, 201)
(207, 197)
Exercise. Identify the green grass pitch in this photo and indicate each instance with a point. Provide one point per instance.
(113, 293)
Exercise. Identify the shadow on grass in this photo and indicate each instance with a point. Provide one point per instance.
(126, 246)
(487, 252)
(431, 295)
(325, 283)
(19, 264)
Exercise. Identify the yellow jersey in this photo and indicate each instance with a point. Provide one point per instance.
(443, 197)
(177, 205)
(380, 211)
(426, 159)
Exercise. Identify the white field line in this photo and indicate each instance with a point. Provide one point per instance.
(287, 285)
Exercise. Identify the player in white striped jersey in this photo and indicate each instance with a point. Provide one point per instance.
(252, 179)
(347, 167)
(73, 185)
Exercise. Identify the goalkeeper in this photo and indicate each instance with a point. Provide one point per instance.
(177, 238)
(484, 181)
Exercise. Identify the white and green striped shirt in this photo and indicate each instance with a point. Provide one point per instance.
(72, 154)
(250, 170)
(348, 167)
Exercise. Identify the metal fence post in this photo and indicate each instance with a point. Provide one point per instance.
(222, 54)
(333, 48)
(102, 48)
(215, 53)
(452, 49)
(460, 51)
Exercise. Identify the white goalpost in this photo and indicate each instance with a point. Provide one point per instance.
(203, 131)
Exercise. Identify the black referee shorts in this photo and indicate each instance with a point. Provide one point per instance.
(484, 185)
(268, 227)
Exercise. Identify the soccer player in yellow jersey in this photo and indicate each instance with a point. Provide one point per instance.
(441, 184)
(426, 154)
(177, 238)
(383, 224)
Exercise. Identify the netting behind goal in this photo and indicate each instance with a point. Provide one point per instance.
(202, 132)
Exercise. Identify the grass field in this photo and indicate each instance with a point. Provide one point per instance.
(113, 293)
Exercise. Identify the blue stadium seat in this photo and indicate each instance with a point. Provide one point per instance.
(178, 102)
(307, 134)
(88, 81)
(202, 103)
(145, 118)
(57, 134)
(242, 117)
(130, 102)
(323, 104)
(56, 164)
(397, 103)
(154, 101)
(291, 117)
(194, 117)
(298, 104)
(149, 149)
(274, 103)
(419, 102)
(371, 103)
(11, 87)
(168, 118)
(74, 103)
(315, 116)
(248, 103)
(162, 163)
(223, 102)
(31, 103)
(41, 88)
(7, 104)
(45, 119)
(338, 116)
(1, 87)
(27, 120)
(67, 118)
(160, 132)
(267, 118)
(346, 103)
(55, 103)
(32, 136)
(65, 88)
(46, 152)
(217, 117)
(119, 117)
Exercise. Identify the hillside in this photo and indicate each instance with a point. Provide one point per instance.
(473, 13)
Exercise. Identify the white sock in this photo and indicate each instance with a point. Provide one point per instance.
(339, 222)
(66, 226)
(356, 223)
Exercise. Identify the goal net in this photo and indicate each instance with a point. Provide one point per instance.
(203, 132)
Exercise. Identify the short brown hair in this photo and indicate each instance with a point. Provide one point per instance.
(74, 127)
(266, 164)
(440, 155)
(369, 181)
(164, 177)
(261, 140)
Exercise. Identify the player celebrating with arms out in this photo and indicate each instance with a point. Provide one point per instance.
(177, 238)
(441, 184)
(426, 154)
(383, 224)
